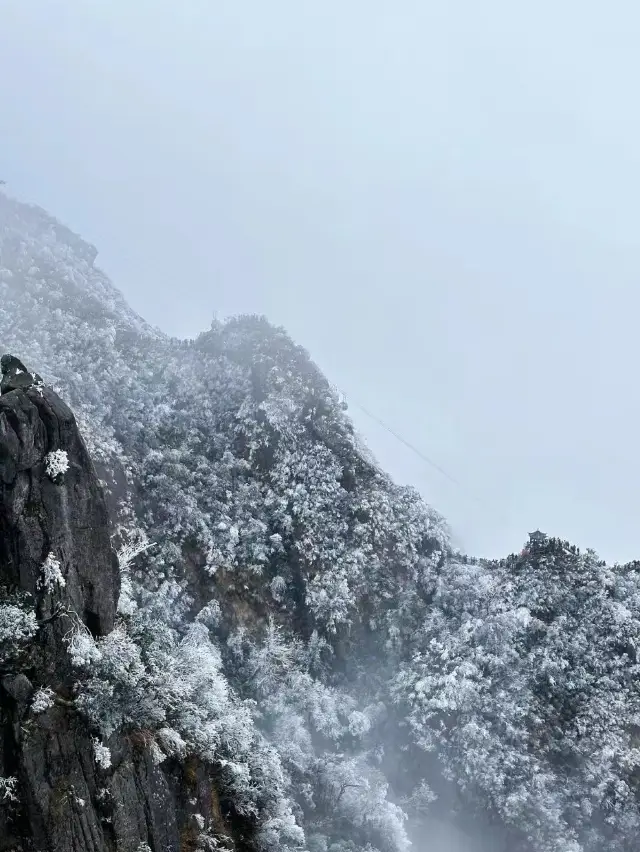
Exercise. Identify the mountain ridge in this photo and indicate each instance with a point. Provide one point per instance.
(322, 623)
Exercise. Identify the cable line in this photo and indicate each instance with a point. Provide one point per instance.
(414, 449)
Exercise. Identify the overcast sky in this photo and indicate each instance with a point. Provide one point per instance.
(439, 200)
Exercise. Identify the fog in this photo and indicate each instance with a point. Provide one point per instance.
(438, 200)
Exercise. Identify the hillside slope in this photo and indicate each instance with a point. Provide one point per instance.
(293, 626)
(276, 540)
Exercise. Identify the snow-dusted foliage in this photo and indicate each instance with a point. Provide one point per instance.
(18, 626)
(145, 676)
(101, 754)
(42, 700)
(16, 623)
(8, 790)
(51, 576)
(132, 544)
(524, 683)
(320, 732)
(56, 464)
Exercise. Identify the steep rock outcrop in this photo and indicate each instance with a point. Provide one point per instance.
(39, 515)
(54, 795)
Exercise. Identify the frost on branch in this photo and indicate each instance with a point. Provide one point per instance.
(56, 465)
(17, 627)
(126, 602)
(81, 644)
(420, 799)
(101, 754)
(8, 789)
(157, 755)
(16, 624)
(134, 542)
(51, 577)
(278, 588)
(42, 700)
(144, 675)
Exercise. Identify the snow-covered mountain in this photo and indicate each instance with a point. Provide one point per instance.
(292, 625)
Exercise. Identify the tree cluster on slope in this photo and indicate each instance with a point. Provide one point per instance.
(524, 683)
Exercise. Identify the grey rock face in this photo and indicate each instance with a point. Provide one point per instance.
(15, 375)
(39, 516)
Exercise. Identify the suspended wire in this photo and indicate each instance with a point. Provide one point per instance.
(406, 443)
(414, 449)
(498, 513)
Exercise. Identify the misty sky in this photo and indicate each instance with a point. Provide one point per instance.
(439, 200)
